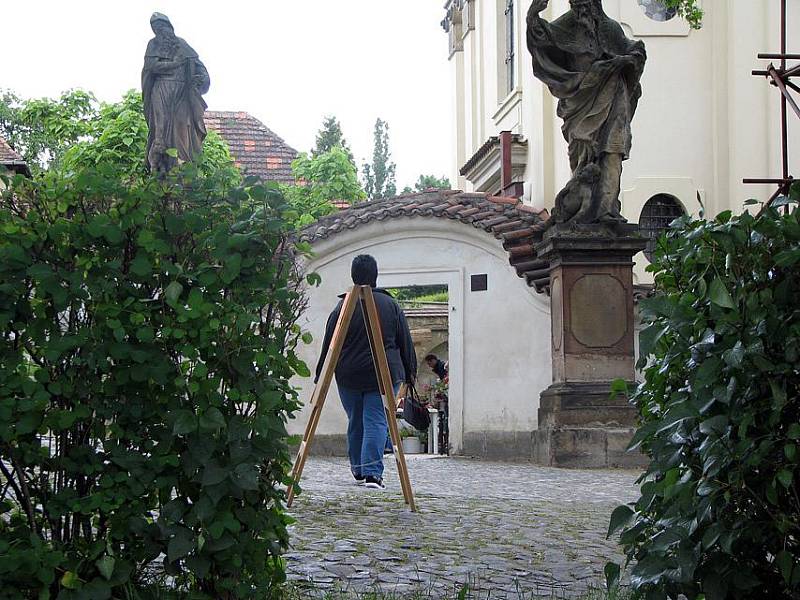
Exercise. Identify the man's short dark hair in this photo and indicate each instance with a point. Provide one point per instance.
(431, 357)
(364, 270)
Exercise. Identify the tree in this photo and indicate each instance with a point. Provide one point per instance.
(320, 180)
(43, 130)
(427, 182)
(330, 136)
(379, 179)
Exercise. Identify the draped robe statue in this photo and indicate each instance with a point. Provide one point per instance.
(173, 81)
(593, 70)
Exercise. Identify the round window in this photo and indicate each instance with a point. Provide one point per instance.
(657, 214)
(656, 10)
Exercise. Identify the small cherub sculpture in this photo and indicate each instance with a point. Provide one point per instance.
(574, 203)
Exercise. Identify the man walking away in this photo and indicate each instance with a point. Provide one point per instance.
(367, 428)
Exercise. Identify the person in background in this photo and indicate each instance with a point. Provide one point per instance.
(441, 400)
(438, 366)
(367, 428)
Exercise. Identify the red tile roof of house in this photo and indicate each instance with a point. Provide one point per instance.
(519, 227)
(11, 159)
(255, 148)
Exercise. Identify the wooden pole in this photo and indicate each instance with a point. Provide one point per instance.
(321, 389)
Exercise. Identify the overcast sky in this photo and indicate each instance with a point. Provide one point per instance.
(287, 62)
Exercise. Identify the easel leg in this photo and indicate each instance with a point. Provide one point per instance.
(373, 327)
(322, 387)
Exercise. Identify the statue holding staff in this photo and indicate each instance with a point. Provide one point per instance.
(173, 81)
(593, 70)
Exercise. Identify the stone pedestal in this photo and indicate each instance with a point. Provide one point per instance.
(591, 289)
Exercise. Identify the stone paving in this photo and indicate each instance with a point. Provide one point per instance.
(514, 530)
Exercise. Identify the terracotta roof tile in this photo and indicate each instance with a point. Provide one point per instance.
(255, 148)
(517, 226)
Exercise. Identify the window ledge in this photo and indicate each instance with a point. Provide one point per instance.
(507, 105)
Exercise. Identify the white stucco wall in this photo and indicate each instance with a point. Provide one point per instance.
(703, 124)
(499, 338)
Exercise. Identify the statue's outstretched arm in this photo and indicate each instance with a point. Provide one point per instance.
(537, 6)
(538, 32)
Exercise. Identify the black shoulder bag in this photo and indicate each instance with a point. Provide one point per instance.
(414, 412)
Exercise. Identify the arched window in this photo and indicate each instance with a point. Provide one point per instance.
(657, 214)
(656, 10)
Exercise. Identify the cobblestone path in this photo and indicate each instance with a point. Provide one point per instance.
(518, 530)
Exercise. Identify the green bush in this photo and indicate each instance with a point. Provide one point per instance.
(148, 339)
(719, 512)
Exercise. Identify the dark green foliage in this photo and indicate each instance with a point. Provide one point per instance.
(719, 512)
(428, 182)
(329, 137)
(148, 336)
(379, 178)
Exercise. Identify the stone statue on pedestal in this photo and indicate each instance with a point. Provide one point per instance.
(173, 81)
(594, 71)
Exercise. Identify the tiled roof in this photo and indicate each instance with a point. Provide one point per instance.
(519, 227)
(255, 148)
(10, 159)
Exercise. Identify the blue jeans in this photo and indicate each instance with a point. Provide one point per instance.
(367, 430)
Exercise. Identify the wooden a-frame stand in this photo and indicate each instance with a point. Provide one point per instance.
(363, 294)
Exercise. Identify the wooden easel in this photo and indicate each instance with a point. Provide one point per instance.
(363, 294)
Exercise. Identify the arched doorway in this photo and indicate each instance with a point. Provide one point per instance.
(481, 248)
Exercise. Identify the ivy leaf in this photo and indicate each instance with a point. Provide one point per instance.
(214, 474)
(719, 294)
(794, 431)
(611, 571)
(141, 266)
(212, 419)
(179, 546)
(106, 566)
(785, 563)
(716, 424)
(173, 152)
(70, 580)
(785, 477)
(185, 422)
(621, 516)
(173, 291)
(735, 355)
(790, 450)
(787, 258)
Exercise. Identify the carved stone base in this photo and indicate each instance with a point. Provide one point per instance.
(591, 302)
(586, 448)
(584, 405)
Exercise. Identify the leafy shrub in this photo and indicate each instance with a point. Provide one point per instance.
(148, 337)
(719, 512)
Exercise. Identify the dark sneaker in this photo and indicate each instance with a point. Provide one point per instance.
(375, 483)
(359, 479)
